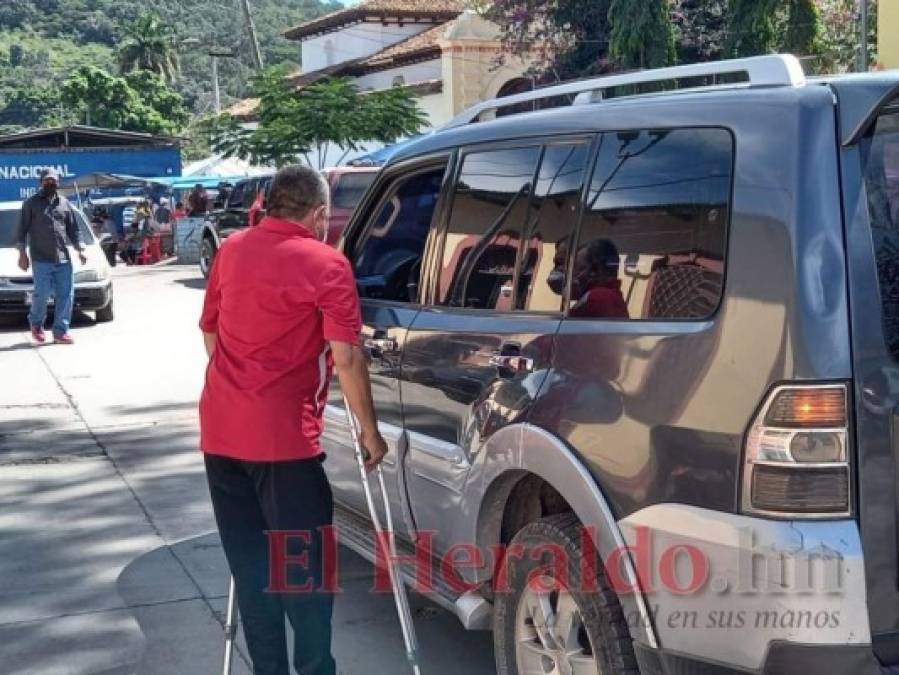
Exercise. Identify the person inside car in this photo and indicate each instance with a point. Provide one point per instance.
(595, 286)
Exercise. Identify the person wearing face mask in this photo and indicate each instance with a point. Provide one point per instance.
(595, 286)
(281, 311)
(47, 226)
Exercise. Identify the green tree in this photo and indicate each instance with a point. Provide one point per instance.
(700, 29)
(803, 30)
(752, 27)
(839, 46)
(33, 106)
(149, 44)
(564, 39)
(642, 33)
(105, 100)
(330, 113)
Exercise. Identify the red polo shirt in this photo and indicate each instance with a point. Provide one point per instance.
(276, 297)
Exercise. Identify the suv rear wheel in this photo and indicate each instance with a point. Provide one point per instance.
(207, 256)
(543, 624)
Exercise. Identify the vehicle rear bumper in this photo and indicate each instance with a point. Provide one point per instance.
(783, 658)
(733, 594)
(88, 297)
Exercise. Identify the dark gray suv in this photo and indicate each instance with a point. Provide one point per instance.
(656, 328)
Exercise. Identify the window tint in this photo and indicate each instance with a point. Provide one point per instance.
(351, 187)
(388, 262)
(490, 206)
(552, 221)
(652, 241)
(882, 183)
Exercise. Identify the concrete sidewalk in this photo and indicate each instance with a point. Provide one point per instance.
(108, 549)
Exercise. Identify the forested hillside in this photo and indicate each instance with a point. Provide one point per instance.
(43, 41)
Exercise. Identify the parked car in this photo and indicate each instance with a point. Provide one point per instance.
(347, 184)
(668, 319)
(93, 284)
(232, 217)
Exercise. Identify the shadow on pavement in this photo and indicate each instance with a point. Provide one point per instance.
(13, 323)
(198, 283)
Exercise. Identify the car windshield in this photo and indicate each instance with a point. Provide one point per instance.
(9, 220)
(351, 188)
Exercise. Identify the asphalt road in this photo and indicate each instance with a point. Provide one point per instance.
(109, 558)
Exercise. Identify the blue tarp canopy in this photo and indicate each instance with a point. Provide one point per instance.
(187, 182)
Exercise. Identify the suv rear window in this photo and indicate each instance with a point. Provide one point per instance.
(652, 239)
(882, 183)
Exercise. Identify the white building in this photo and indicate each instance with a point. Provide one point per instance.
(449, 57)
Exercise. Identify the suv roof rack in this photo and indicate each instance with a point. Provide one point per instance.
(774, 70)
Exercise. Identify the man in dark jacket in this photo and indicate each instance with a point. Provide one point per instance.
(46, 225)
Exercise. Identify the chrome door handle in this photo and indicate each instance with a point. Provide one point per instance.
(520, 364)
(382, 345)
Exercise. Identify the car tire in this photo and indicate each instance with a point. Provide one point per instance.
(106, 314)
(207, 256)
(589, 619)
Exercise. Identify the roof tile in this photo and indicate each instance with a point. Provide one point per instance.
(438, 10)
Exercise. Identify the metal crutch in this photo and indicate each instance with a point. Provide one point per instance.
(393, 571)
(230, 627)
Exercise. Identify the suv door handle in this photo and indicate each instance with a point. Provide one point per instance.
(519, 364)
(381, 345)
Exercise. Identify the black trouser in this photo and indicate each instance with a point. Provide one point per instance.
(249, 500)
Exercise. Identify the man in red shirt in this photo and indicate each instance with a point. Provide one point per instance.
(281, 311)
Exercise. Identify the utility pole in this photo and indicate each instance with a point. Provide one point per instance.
(251, 29)
(216, 53)
(863, 20)
(217, 92)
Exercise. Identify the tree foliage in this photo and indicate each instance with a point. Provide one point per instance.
(52, 38)
(139, 101)
(840, 44)
(582, 37)
(149, 44)
(330, 113)
(642, 35)
(565, 39)
(700, 29)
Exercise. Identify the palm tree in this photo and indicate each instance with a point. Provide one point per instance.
(149, 44)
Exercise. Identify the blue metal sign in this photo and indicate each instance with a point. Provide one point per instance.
(20, 169)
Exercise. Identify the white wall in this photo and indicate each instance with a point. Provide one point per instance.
(417, 72)
(437, 108)
(354, 42)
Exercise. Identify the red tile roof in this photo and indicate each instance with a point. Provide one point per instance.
(419, 47)
(410, 10)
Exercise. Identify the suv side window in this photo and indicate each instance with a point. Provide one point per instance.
(652, 240)
(388, 259)
(489, 209)
(555, 207)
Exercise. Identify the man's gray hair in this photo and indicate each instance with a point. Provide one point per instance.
(296, 191)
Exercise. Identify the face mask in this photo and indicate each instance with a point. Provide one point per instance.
(581, 283)
(556, 281)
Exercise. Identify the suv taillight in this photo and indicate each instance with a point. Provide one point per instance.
(796, 458)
